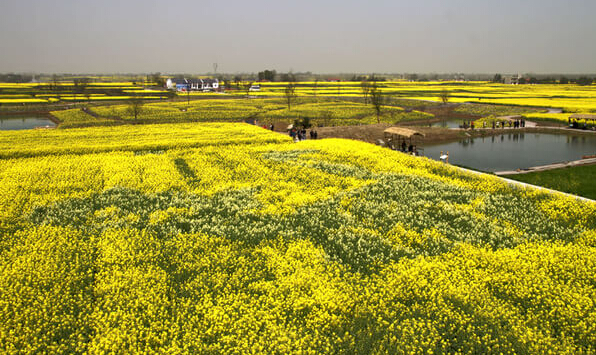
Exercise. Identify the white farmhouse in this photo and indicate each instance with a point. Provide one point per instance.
(193, 84)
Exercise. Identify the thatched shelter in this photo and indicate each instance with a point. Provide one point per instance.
(404, 139)
(583, 116)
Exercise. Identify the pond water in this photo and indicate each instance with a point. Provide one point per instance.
(24, 122)
(448, 123)
(512, 151)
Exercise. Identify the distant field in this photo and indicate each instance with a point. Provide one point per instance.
(324, 103)
(569, 97)
(322, 112)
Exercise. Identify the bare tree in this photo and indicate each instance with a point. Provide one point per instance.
(376, 99)
(79, 86)
(290, 93)
(56, 86)
(247, 86)
(157, 79)
(228, 84)
(365, 88)
(444, 96)
(135, 107)
(327, 116)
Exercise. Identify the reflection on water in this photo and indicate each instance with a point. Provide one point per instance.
(448, 123)
(24, 122)
(512, 151)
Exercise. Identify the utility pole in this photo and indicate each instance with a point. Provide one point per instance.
(188, 84)
(214, 69)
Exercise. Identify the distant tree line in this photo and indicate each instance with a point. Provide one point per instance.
(15, 78)
(373, 77)
(529, 79)
(273, 75)
(267, 75)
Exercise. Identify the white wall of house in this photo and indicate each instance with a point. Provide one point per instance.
(197, 85)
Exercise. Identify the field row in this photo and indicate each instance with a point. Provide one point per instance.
(569, 97)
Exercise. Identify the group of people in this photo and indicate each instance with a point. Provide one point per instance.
(300, 134)
(512, 124)
(520, 123)
(408, 148)
(573, 123)
(467, 124)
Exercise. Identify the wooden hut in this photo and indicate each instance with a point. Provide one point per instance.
(404, 140)
(587, 118)
(583, 116)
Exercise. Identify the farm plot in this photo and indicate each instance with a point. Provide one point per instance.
(322, 112)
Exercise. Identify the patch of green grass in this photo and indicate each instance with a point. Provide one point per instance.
(577, 180)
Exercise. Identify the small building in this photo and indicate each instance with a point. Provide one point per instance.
(194, 84)
(512, 79)
(404, 140)
(170, 84)
(587, 118)
(210, 84)
(583, 116)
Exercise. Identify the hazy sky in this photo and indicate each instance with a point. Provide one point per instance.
(324, 36)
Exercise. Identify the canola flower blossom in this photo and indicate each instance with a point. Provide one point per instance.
(189, 238)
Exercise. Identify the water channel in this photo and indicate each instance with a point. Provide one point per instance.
(449, 123)
(10, 123)
(515, 150)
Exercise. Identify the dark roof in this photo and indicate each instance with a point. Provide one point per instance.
(404, 132)
(580, 116)
(181, 81)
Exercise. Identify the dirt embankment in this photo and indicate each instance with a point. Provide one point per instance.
(374, 133)
(433, 135)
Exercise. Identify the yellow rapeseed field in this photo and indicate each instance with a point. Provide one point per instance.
(228, 238)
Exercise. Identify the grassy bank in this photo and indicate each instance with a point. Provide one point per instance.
(577, 180)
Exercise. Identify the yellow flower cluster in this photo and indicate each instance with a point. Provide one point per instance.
(228, 238)
(79, 118)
